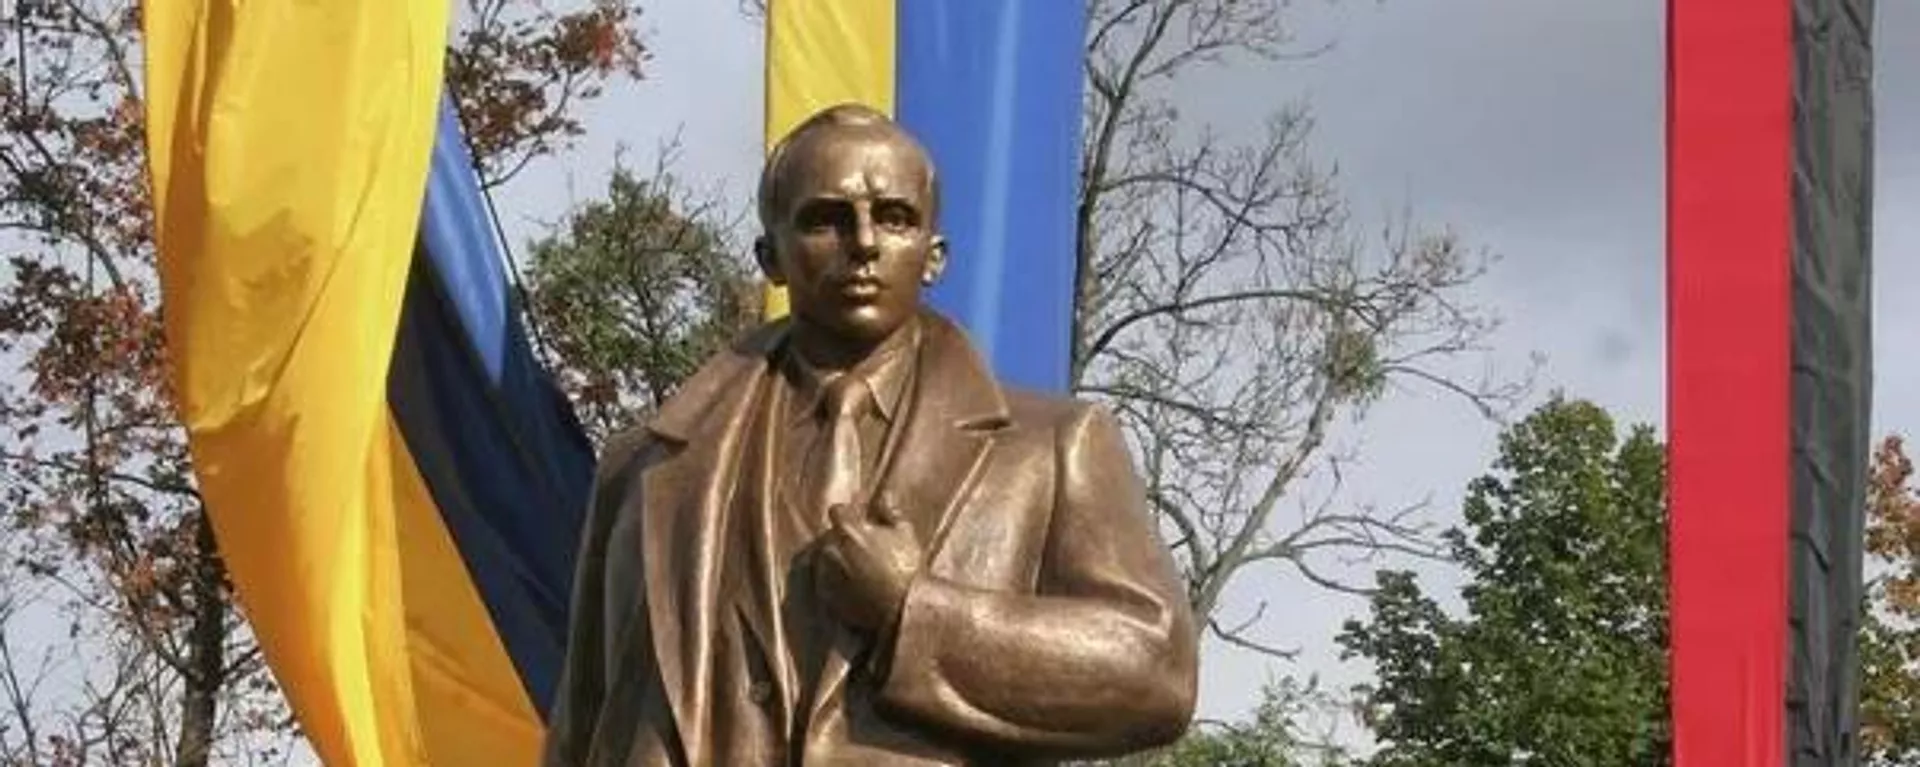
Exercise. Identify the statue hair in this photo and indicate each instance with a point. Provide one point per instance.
(772, 200)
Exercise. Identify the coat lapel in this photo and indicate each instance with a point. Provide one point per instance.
(945, 441)
(948, 433)
(684, 497)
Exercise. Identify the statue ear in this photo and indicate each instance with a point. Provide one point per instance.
(936, 261)
(770, 266)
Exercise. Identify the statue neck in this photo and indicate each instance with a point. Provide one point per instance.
(832, 353)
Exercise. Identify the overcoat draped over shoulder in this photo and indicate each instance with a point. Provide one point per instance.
(1047, 623)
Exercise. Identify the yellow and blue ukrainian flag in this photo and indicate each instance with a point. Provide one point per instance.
(395, 483)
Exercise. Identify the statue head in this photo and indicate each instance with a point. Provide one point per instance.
(848, 206)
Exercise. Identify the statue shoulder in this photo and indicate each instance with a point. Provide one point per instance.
(618, 453)
(1048, 410)
(621, 446)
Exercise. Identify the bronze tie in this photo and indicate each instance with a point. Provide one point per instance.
(833, 474)
(838, 462)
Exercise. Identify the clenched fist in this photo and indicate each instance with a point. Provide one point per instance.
(868, 558)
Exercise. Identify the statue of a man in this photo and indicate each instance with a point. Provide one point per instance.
(844, 543)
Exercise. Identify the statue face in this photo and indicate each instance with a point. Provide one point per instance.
(854, 243)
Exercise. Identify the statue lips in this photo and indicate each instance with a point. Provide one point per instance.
(862, 288)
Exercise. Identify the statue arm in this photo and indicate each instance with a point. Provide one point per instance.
(1101, 660)
(581, 690)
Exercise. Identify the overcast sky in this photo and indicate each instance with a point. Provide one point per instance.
(1534, 128)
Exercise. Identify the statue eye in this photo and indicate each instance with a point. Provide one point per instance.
(895, 214)
(822, 215)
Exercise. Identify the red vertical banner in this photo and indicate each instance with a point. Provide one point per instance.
(1729, 240)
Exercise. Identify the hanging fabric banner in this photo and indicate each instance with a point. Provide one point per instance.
(1769, 376)
(395, 485)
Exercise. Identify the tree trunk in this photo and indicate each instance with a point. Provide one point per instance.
(206, 653)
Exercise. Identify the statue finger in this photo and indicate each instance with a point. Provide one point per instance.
(853, 527)
(843, 519)
(885, 509)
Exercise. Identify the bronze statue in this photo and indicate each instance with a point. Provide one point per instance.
(843, 543)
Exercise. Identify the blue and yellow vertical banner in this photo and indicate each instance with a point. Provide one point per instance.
(993, 88)
(395, 484)
(288, 143)
(506, 464)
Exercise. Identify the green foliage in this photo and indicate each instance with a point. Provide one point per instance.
(1890, 631)
(1273, 738)
(1890, 692)
(1560, 658)
(633, 292)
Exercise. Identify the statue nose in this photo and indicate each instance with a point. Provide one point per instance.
(866, 246)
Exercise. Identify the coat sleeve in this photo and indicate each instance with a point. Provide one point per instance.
(582, 687)
(1102, 659)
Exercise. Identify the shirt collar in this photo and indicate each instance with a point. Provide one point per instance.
(885, 374)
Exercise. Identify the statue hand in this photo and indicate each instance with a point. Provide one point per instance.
(867, 562)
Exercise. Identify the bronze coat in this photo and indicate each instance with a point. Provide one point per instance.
(1048, 622)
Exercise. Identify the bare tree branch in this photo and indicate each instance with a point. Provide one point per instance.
(1237, 638)
(1128, 320)
(169, 488)
(20, 697)
(1230, 314)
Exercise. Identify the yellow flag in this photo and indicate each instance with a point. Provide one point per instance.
(289, 146)
(820, 53)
